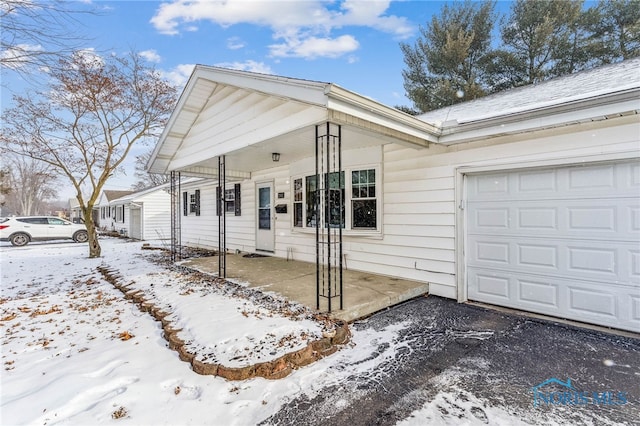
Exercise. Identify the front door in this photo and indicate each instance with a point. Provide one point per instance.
(265, 233)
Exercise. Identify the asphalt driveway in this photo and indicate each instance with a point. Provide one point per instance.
(467, 364)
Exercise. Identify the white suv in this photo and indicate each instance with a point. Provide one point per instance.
(21, 230)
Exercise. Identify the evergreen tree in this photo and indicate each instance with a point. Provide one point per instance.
(615, 25)
(541, 39)
(446, 64)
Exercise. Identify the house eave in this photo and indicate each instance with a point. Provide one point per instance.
(596, 108)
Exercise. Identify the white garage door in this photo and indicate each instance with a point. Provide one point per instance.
(136, 223)
(561, 241)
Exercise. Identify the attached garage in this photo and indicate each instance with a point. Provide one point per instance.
(561, 241)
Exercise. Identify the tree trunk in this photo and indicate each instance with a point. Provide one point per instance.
(94, 245)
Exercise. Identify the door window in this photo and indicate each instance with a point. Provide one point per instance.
(264, 208)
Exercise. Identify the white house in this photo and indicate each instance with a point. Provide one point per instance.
(111, 217)
(75, 213)
(143, 215)
(528, 199)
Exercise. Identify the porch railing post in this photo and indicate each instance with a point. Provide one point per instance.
(222, 222)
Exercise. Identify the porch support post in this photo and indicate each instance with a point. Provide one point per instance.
(329, 211)
(222, 222)
(316, 208)
(174, 190)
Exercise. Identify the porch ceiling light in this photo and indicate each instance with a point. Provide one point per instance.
(275, 156)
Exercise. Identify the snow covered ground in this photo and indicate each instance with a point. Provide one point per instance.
(75, 351)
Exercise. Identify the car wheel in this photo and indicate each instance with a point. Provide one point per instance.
(19, 240)
(81, 237)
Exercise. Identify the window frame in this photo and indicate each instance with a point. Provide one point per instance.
(191, 203)
(119, 213)
(348, 229)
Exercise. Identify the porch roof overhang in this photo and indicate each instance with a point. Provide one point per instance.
(247, 116)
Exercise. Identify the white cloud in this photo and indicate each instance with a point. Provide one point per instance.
(179, 75)
(89, 56)
(151, 55)
(235, 43)
(314, 47)
(304, 27)
(19, 55)
(249, 65)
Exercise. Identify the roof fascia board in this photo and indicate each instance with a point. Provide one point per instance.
(307, 91)
(585, 110)
(351, 103)
(184, 96)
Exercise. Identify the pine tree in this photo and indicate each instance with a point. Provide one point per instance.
(446, 64)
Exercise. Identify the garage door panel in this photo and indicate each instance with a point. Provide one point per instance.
(585, 301)
(603, 219)
(610, 261)
(541, 294)
(634, 264)
(559, 241)
(609, 305)
(493, 286)
(591, 178)
(634, 302)
(634, 218)
(541, 181)
(560, 183)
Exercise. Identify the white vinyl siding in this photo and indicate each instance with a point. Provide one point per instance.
(420, 196)
(202, 231)
(418, 201)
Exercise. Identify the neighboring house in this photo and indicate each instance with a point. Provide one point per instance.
(527, 199)
(144, 215)
(111, 217)
(75, 213)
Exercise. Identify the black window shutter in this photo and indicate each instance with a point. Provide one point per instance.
(236, 189)
(219, 201)
(185, 203)
(197, 202)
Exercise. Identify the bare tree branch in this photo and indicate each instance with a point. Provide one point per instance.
(88, 119)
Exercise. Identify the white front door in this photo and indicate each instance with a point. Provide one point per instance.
(265, 232)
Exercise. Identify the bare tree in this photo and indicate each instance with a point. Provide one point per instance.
(85, 124)
(36, 33)
(32, 185)
(5, 186)
(146, 179)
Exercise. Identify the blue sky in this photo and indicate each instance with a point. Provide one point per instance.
(353, 43)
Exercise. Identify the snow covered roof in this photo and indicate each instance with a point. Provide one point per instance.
(111, 194)
(608, 79)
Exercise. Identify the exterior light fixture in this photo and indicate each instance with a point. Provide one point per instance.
(275, 156)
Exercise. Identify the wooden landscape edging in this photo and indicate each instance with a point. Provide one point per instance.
(275, 369)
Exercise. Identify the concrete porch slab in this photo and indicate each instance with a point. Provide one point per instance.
(363, 293)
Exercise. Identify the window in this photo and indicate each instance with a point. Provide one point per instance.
(35, 220)
(231, 201)
(355, 209)
(363, 199)
(120, 213)
(297, 203)
(191, 203)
